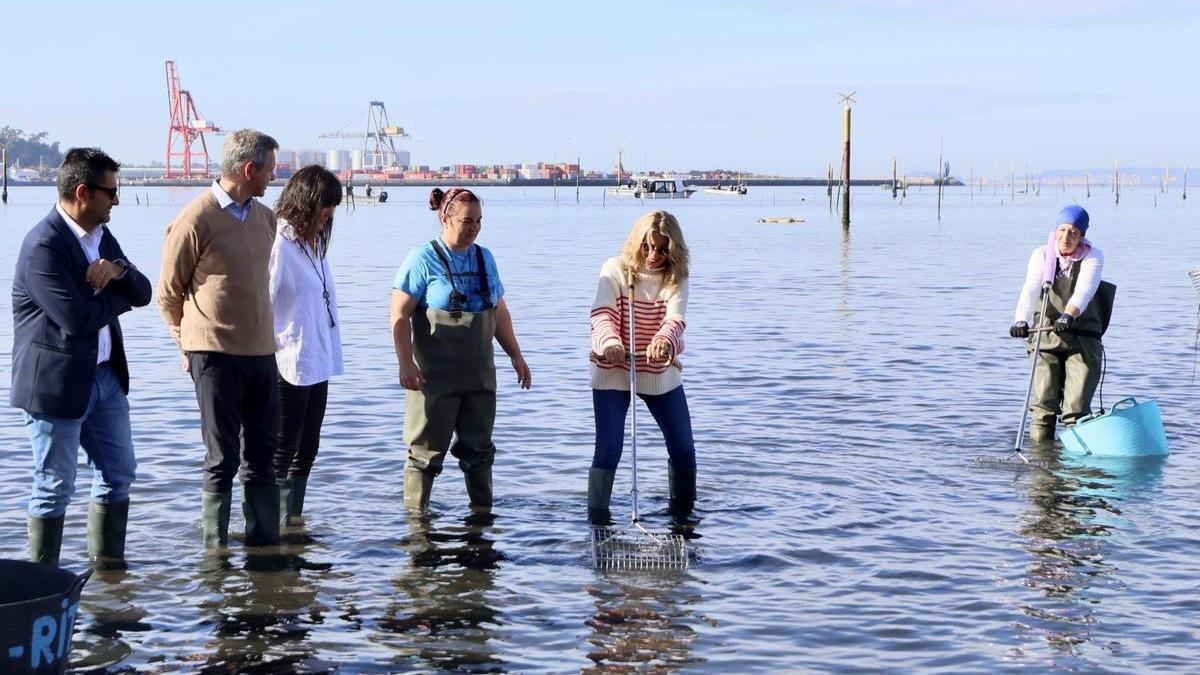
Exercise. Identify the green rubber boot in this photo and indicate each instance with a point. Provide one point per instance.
(260, 506)
(600, 482)
(417, 487)
(285, 502)
(45, 539)
(107, 523)
(479, 489)
(215, 518)
(682, 490)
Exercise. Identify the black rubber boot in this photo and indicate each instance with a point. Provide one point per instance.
(600, 482)
(107, 523)
(299, 487)
(45, 539)
(215, 518)
(479, 489)
(682, 489)
(260, 506)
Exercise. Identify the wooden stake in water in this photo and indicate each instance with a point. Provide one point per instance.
(1012, 183)
(940, 176)
(829, 189)
(4, 171)
(1117, 182)
(578, 170)
(847, 99)
(1087, 183)
(893, 178)
(1185, 183)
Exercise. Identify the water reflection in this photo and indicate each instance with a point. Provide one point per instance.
(641, 623)
(444, 609)
(1075, 508)
(264, 611)
(112, 611)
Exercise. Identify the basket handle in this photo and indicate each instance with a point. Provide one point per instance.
(1127, 402)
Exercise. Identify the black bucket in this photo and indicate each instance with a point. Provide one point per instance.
(38, 605)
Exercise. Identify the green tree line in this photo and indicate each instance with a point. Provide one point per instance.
(29, 149)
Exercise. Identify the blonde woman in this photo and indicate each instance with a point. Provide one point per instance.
(652, 273)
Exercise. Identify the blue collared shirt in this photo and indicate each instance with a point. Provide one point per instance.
(239, 211)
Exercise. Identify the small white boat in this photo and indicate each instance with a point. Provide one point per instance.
(653, 188)
(733, 189)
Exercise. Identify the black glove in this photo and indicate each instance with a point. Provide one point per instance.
(1063, 324)
(1019, 329)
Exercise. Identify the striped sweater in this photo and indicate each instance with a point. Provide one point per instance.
(658, 312)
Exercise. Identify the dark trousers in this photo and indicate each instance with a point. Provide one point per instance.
(670, 410)
(239, 417)
(301, 412)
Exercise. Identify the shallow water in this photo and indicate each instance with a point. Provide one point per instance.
(840, 387)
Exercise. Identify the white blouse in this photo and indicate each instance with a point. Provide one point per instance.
(308, 350)
(1090, 269)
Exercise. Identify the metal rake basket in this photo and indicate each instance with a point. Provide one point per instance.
(633, 547)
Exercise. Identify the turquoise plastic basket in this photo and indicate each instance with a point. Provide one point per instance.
(1129, 429)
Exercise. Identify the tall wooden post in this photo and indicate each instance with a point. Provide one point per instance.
(893, 178)
(1087, 183)
(4, 172)
(846, 169)
(578, 170)
(1185, 183)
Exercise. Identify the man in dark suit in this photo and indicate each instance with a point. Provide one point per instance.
(69, 370)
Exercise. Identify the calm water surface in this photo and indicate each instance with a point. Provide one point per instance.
(840, 386)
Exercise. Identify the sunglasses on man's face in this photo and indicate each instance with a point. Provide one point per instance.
(111, 192)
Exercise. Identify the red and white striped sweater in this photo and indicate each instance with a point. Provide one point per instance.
(658, 312)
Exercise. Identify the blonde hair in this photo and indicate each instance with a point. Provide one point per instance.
(665, 225)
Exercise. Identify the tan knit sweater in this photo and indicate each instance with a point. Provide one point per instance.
(213, 289)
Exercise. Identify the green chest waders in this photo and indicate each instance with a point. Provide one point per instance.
(457, 402)
(1068, 365)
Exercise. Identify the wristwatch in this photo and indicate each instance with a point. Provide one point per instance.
(124, 265)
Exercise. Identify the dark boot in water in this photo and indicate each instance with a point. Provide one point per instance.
(600, 482)
(45, 539)
(682, 490)
(215, 518)
(296, 504)
(479, 489)
(260, 506)
(107, 523)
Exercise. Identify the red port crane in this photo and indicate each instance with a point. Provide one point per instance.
(186, 127)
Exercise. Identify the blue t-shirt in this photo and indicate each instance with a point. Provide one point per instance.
(423, 276)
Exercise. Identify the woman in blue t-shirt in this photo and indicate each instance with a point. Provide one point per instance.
(447, 307)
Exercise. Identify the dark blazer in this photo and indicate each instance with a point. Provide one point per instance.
(57, 319)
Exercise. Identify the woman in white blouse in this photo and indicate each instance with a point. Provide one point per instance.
(307, 339)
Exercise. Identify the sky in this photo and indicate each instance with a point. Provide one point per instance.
(750, 86)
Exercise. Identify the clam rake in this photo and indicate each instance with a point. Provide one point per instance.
(633, 547)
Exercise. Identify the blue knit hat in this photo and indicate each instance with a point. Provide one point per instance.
(1075, 216)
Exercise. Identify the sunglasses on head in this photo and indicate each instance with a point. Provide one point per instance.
(111, 192)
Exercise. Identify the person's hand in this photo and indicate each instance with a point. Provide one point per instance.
(659, 350)
(411, 377)
(614, 354)
(1019, 329)
(101, 272)
(187, 363)
(1063, 324)
(524, 377)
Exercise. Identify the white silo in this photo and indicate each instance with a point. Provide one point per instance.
(356, 160)
(333, 160)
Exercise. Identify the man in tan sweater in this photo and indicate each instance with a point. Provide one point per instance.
(213, 294)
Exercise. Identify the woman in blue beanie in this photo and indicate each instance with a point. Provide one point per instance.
(1068, 267)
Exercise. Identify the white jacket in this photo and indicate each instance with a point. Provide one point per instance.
(308, 350)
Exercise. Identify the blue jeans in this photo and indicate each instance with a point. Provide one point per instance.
(670, 410)
(105, 436)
